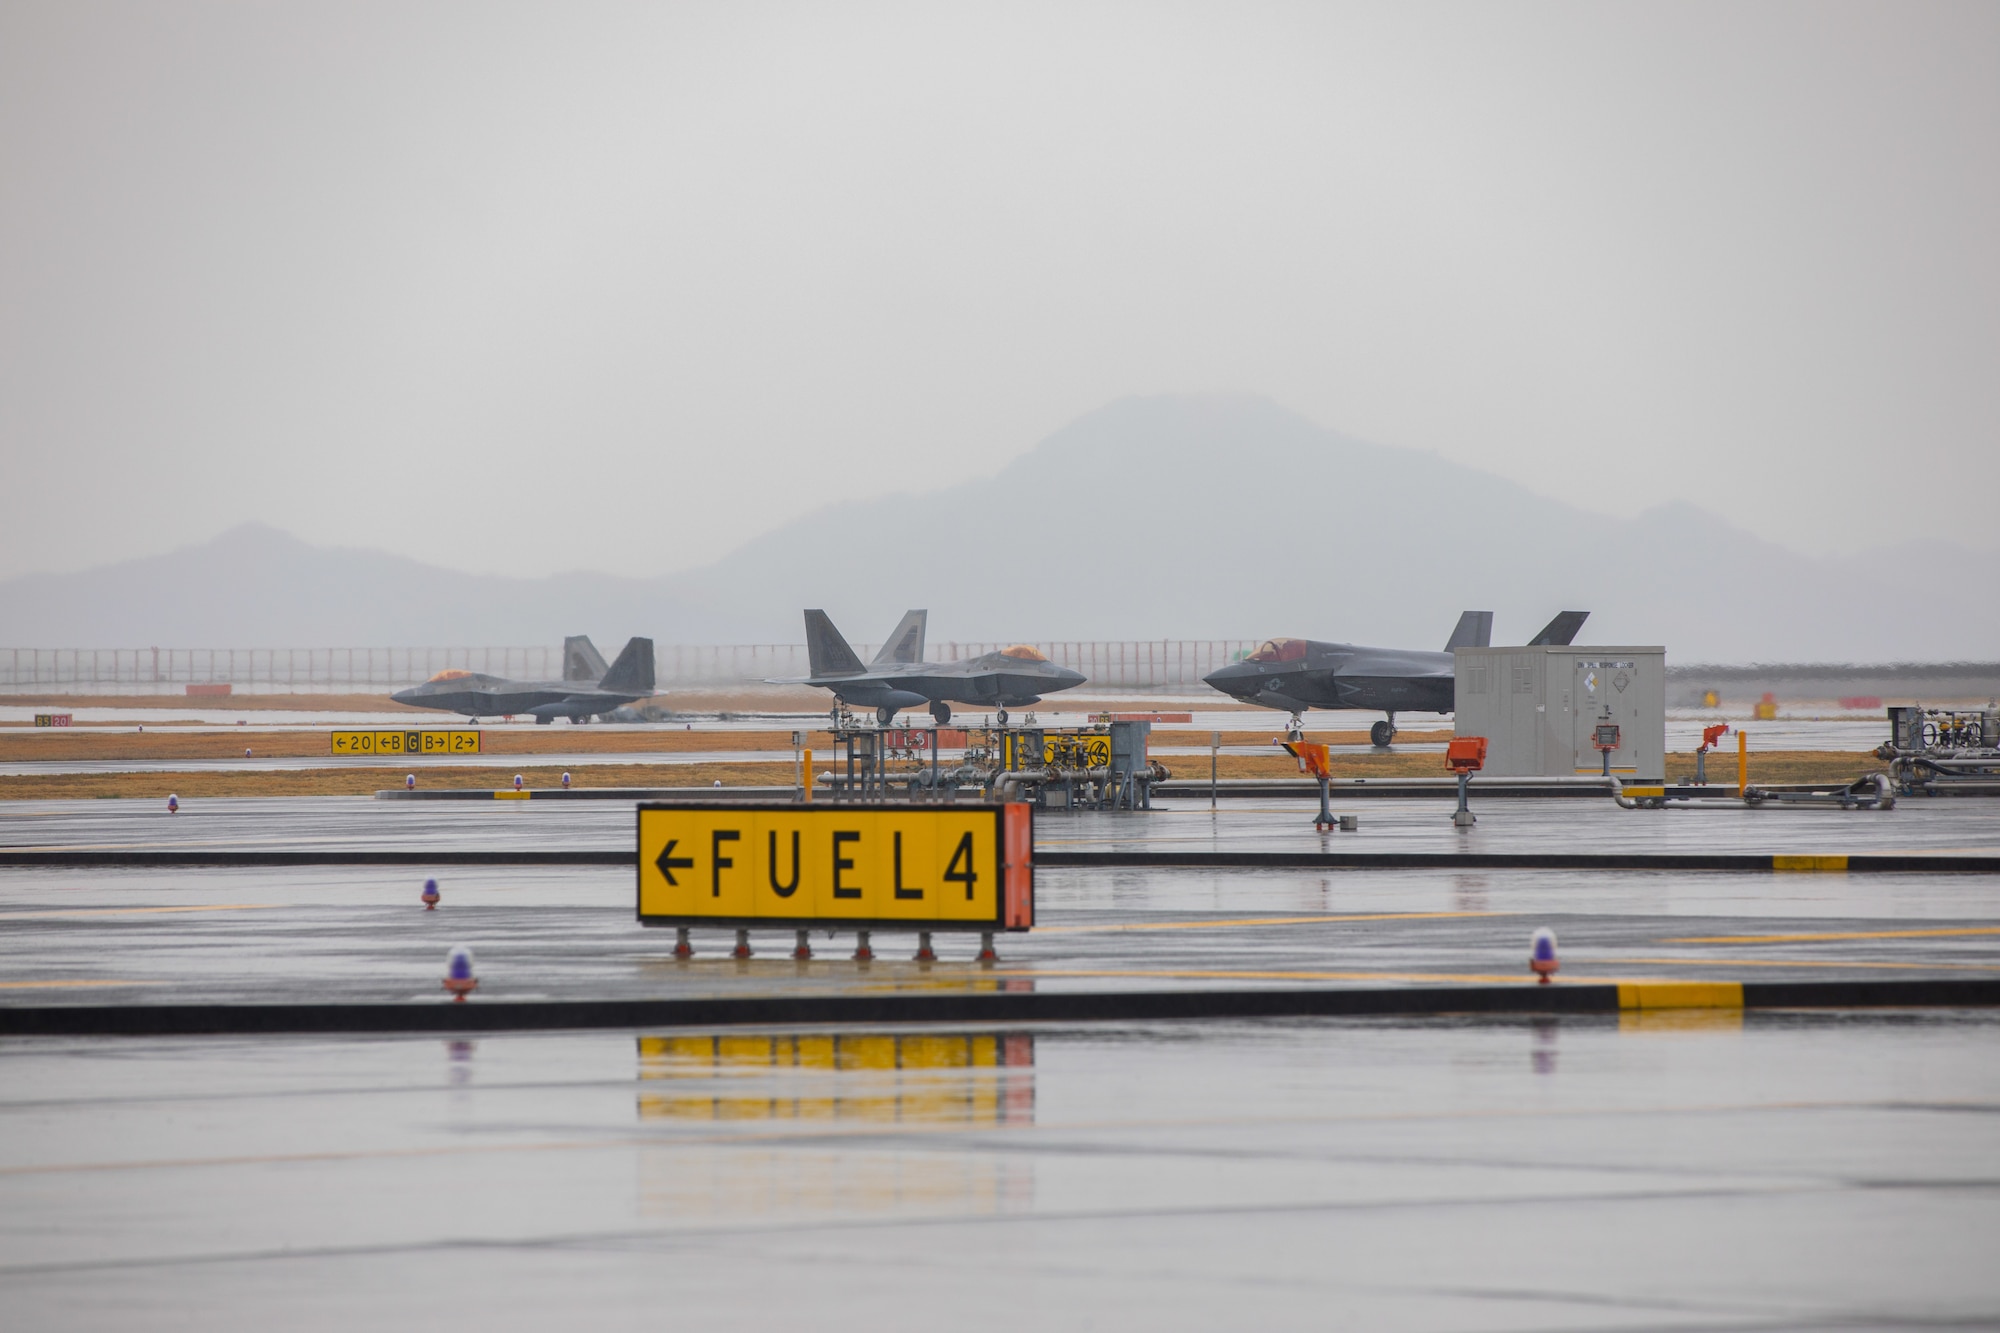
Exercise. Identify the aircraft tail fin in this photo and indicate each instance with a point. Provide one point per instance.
(827, 650)
(581, 660)
(632, 673)
(1562, 630)
(1474, 630)
(906, 644)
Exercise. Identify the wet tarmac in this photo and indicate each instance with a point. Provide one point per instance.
(1678, 1169)
(1916, 824)
(1646, 1172)
(100, 935)
(348, 936)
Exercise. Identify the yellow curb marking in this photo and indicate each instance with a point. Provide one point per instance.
(1680, 995)
(1810, 864)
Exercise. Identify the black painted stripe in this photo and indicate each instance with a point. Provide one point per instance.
(479, 1015)
(360, 856)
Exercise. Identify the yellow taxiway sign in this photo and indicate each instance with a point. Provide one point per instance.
(927, 867)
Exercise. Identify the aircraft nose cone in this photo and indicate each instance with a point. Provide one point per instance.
(1237, 680)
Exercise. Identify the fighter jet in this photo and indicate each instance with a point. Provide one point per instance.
(1293, 675)
(576, 697)
(581, 660)
(899, 678)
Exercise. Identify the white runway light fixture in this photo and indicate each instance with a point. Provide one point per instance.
(1542, 954)
(458, 978)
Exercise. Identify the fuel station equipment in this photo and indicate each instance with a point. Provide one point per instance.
(1709, 736)
(1099, 767)
(1604, 740)
(1465, 755)
(1935, 751)
(1315, 758)
(1544, 709)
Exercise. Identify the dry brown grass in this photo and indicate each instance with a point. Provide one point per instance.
(1773, 766)
(1782, 766)
(50, 743)
(367, 781)
(1182, 736)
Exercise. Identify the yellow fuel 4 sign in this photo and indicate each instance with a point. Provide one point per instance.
(955, 867)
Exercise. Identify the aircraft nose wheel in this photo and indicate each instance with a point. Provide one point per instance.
(885, 715)
(1000, 716)
(940, 713)
(1380, 735)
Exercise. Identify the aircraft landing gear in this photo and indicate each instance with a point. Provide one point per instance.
(1295, 730)
(940, 712)
(1382, 733)
(885, 715)
(1000, 716)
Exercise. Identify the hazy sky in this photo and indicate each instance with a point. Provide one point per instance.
(521, 288)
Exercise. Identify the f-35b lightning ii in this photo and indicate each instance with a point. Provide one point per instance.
(899, 678)
(1293, 675)
(579, 696)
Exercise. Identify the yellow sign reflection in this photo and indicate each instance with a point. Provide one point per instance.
(928, 1078)
(823, 1083)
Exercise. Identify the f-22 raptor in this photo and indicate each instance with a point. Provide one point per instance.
(577, 696)
(1294, 675)
(899, 678)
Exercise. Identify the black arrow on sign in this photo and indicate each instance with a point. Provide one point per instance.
(669, 863)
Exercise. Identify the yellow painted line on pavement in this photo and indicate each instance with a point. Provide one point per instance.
(63, 913)
(510, 795)
(1812, 962)
(68, 984)
(1811, 864)
(1814, 937)
(1219, 923)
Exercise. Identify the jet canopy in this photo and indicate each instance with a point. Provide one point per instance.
(1023, 652)
(1279, 650)
(449, 673)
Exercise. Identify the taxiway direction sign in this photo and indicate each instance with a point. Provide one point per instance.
(942, 867)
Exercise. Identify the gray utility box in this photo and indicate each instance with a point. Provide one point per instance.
(1539, 708)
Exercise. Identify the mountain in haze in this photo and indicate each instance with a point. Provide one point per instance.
(1163, 517)
(255, 586)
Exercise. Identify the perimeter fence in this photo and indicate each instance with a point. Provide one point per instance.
(1170, 665)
